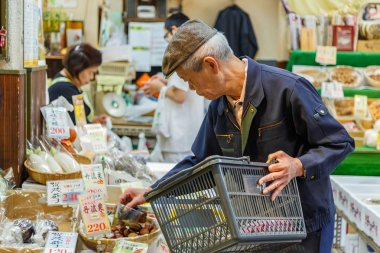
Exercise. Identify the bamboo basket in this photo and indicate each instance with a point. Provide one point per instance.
(42, 177)
(91, 243)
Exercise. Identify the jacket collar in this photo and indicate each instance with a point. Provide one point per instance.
(254, 92)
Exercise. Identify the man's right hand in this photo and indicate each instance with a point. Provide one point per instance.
(132, 197)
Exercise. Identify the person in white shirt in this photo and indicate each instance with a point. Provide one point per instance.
(181, 111)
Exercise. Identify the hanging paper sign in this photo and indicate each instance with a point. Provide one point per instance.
(360, 107)
(95, 139)
(94, 181)
(79, 112)
(56, 121)
(61, 242)
(332, 90)
(94, 215)
(326, 55)
(124, 246)
(64, 192)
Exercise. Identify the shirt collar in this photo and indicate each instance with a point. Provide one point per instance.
(254, 92)
(234, 102)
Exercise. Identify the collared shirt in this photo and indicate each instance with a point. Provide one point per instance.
(237, 105)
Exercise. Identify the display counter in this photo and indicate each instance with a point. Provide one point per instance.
(354, 59)
(362, 161)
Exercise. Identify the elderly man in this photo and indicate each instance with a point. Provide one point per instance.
(265, 113)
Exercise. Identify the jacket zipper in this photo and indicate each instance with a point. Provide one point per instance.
(269, 126)
(228, 136)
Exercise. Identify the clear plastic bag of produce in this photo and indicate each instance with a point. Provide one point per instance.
(25, 219)
(7, 181)
(49, 156)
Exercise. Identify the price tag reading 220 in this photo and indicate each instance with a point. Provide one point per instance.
(94, 215)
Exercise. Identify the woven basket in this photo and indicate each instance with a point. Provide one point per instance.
(110, 243)
(42, 177)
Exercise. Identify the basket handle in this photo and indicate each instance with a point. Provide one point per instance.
(176, 176)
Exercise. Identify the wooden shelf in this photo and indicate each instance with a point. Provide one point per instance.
(134, 19)
(54, 57)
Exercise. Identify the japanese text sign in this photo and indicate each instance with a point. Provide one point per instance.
(61, 242)
(332, 90)
(64, 192)
(326, 55)
(94, 182)
(79, 112)
(94, 215)
(56, 121)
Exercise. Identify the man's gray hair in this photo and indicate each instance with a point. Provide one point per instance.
(217, 47)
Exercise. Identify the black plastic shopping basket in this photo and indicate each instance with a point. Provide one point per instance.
(217, 206)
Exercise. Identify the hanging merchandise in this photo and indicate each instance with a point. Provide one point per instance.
(237, 27)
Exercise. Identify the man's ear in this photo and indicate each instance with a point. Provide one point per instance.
(210, 62)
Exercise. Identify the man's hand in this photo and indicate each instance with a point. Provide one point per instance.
(281, 173)
(152, 85)
(101, 119)
(134, 196)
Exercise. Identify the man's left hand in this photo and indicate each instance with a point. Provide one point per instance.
(281, 173)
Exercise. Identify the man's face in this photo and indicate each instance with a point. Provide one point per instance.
(206, 82)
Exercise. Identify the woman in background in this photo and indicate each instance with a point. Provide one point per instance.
(80, 64)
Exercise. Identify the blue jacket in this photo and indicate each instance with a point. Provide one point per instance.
(281, 111)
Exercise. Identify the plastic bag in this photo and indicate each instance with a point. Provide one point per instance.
(37, 162)
(64, 158)
(7, 181)
(41, 229)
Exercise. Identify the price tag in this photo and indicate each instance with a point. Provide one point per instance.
(94, 215)
(124, 246)
(360, 106)
(56, 121)
(332, 90)
(326, 55)
(79, 112)
(95, 139)
(94, 181)
(162, 246)
(61, 242)
(64, 192)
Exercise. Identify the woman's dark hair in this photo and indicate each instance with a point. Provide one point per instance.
(176, 19)
(81, 57)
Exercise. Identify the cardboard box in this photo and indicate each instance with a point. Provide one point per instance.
(30, 205)
(368, 46)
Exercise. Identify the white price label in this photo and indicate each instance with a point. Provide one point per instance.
(56, 121)
(162, 246)
(64, 192)
(94, 181)
(94, 215)
(130, 247)
(95, 139)
(326, 55)
(61, 242)
(360, 106)
(332, 90)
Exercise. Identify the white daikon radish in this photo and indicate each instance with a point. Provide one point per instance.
(67, 163)
(53, 165)
(38, 163)
(377, 125)
(370, 138)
